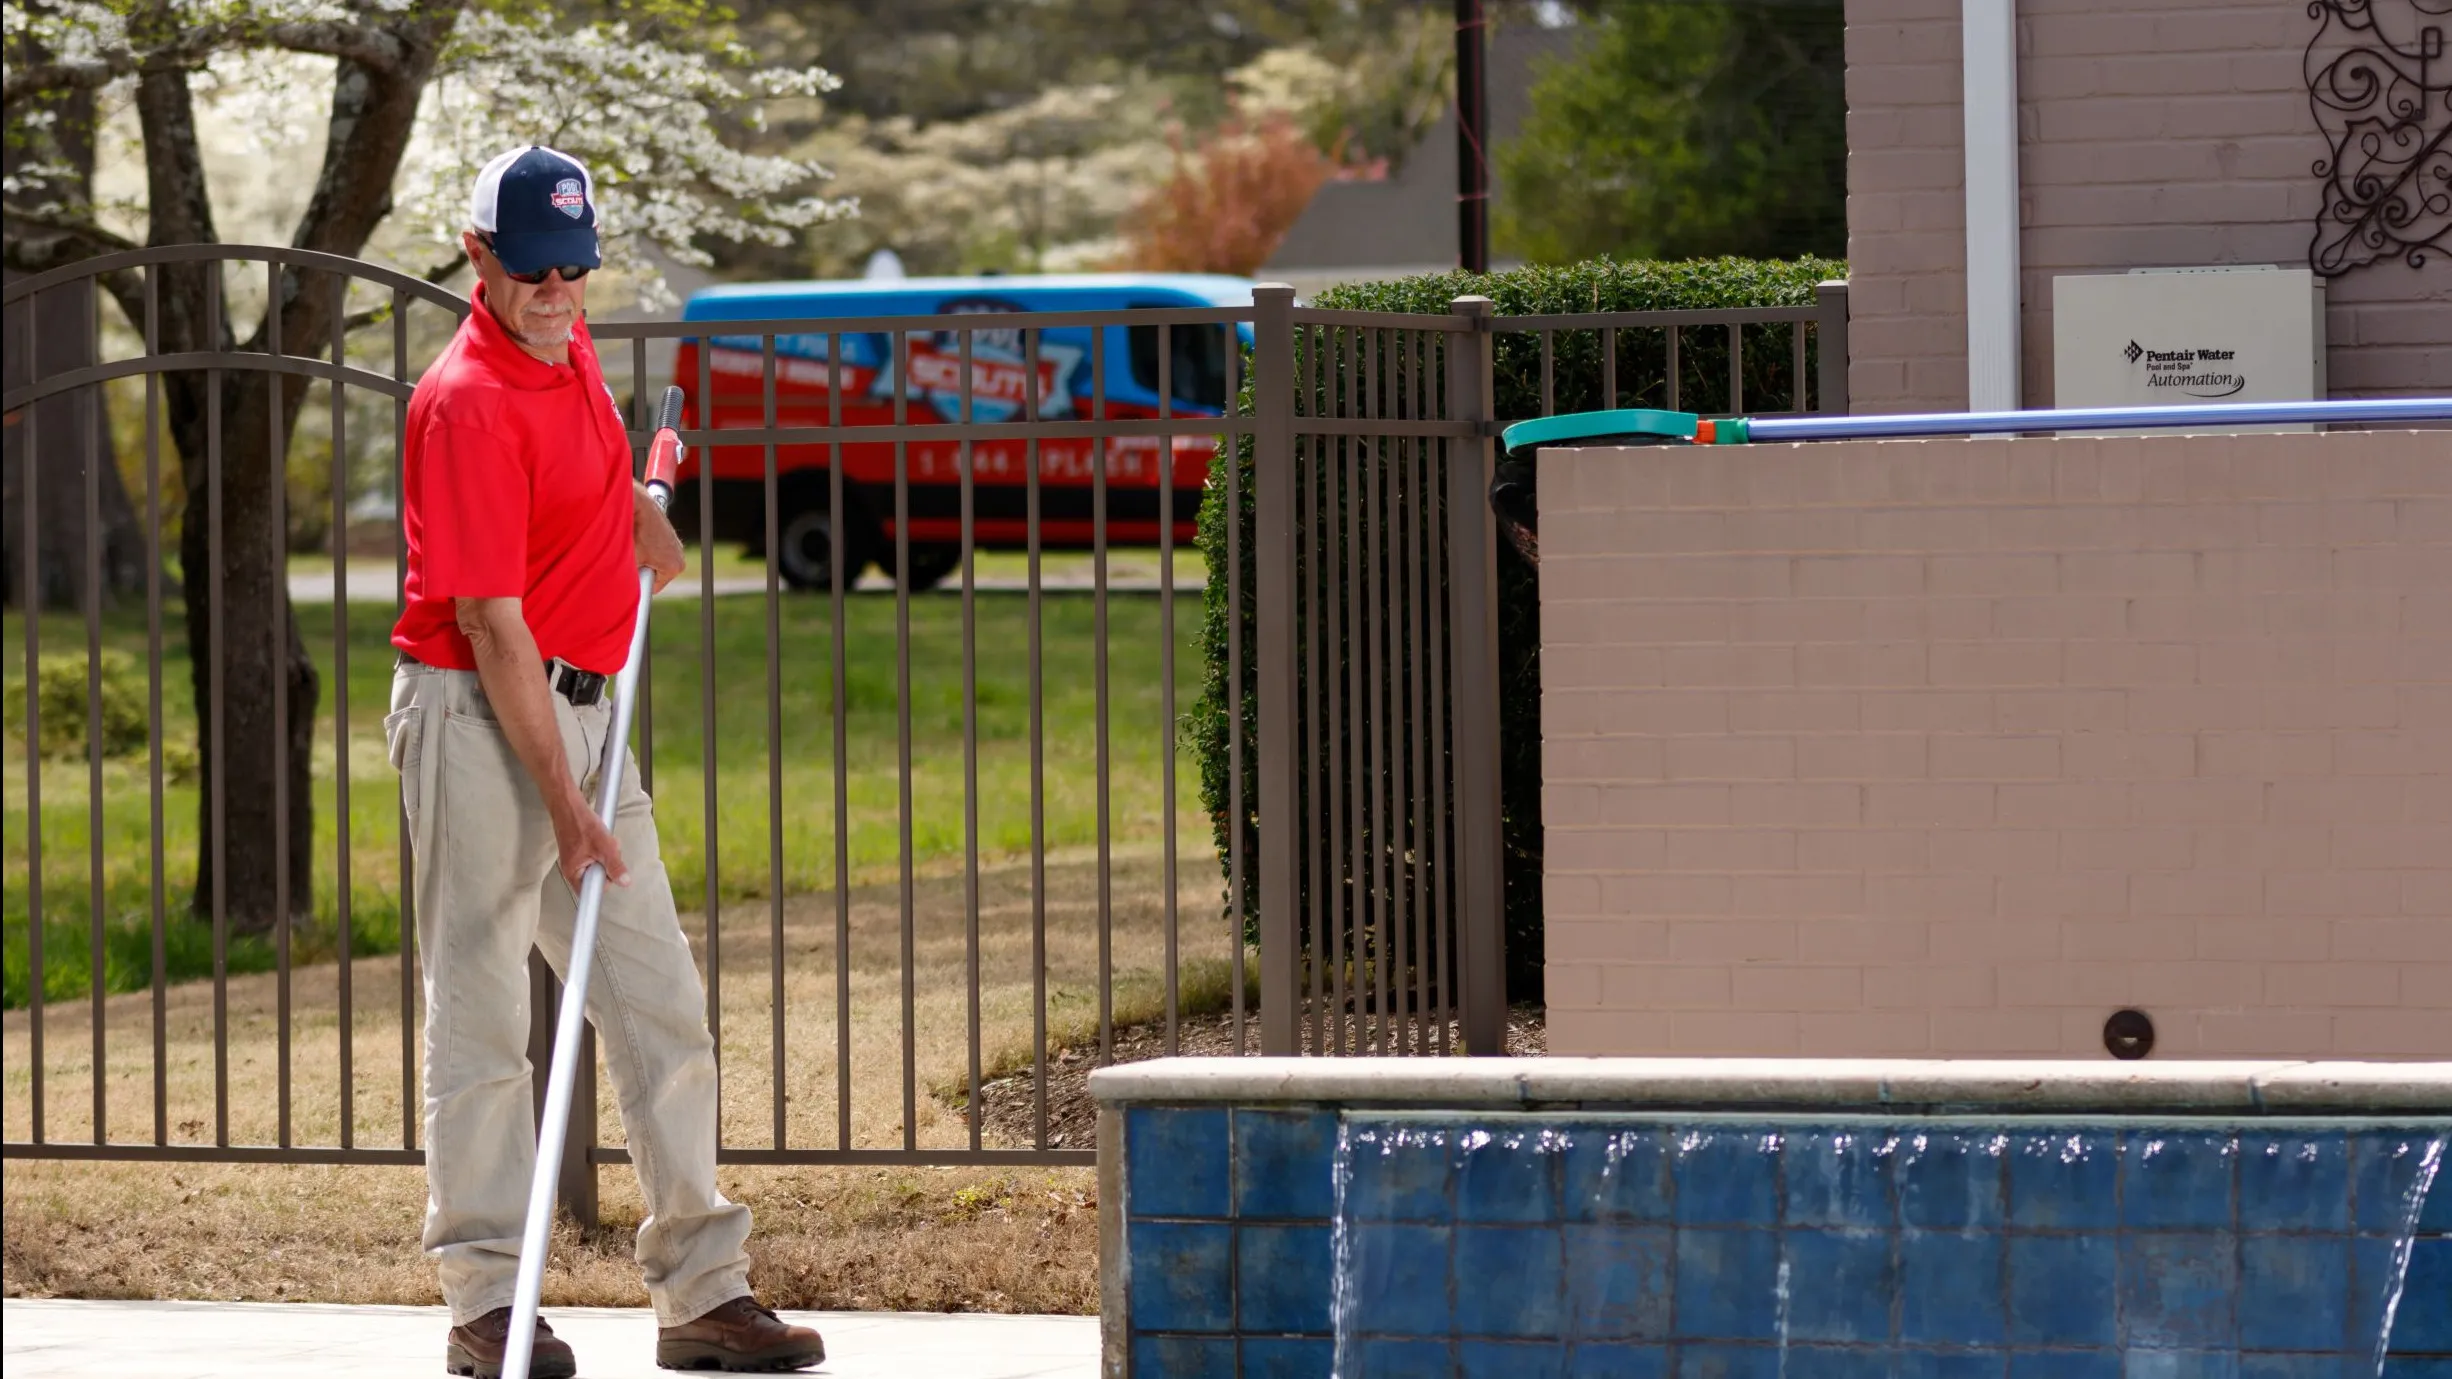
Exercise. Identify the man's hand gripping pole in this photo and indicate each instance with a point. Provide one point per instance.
(553, 1127)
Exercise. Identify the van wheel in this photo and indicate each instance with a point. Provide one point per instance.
(805, 551)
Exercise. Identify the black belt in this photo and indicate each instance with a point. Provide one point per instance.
(580, 687)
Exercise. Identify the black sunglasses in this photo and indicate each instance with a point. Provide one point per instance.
(569, 272)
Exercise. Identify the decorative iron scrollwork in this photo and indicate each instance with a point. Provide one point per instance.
(2380, 85)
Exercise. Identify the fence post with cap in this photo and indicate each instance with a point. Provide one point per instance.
(1830, 329)
(1273, 627)
(1481, 890)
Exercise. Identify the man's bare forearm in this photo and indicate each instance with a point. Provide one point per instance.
(512, 673)
(652, 534)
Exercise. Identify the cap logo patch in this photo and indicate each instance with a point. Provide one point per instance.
(569, 198)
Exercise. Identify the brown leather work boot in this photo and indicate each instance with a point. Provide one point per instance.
(741, 1336)
(476, 1349)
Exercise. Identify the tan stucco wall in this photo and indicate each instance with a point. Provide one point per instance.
(1956, 747)
(2150, 136)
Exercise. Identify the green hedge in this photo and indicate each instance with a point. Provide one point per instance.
(1599, 285)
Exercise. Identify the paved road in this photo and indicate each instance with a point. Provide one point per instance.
(211, 1340)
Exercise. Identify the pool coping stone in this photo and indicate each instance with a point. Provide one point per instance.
(2261, 1087)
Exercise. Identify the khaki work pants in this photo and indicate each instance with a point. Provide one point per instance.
(487, 887)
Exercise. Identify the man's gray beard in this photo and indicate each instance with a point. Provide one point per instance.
(541, 340)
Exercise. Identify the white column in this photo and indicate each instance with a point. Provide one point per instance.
(1989, 50)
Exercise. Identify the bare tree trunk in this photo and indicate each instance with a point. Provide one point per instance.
(256, 806)
(255, 690)
(65, 434)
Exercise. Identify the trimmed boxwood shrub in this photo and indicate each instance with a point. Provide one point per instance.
(1598, 285)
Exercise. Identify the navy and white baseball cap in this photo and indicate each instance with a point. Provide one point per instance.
(538, 207)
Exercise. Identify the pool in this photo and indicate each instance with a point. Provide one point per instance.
(1790, 1219)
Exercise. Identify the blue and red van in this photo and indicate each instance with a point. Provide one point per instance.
(932, 394)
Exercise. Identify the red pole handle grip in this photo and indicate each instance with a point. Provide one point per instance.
(664, 452)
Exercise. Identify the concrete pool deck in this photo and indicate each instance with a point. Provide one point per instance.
(60, 1339)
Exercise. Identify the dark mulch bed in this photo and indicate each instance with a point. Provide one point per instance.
(1009, 1109)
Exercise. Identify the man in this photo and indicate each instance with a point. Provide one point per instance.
(525, 534)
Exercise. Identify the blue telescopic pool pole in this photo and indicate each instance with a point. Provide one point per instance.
(553, 1125)
(1644, 426)
(2369, 412)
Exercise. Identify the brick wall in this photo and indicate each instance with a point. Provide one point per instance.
(2155, 135)
(1907, 245)
(1956, 747)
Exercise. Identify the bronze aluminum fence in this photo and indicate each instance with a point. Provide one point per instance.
(1063, 435)
(198, 354)
(1359, 696)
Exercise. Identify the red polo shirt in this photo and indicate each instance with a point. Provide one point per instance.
(516, 484)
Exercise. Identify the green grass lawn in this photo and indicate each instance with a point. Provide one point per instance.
(684, 657)
(372, 576)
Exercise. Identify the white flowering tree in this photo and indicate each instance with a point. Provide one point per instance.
(1054, 183)
(416, 94)
(1038, 187)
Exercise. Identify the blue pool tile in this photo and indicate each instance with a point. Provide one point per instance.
(1284, 1277)
(1184, 1357)
(2176, 1179)
(1398, 1173)
(1399, 1280)
(2178, 1289)
(1508, 1176)
(1727, 1177)
(2147, 1363)
(2064, 1179)
(2294, 1182)
(1840, 1283)
(1586, 1360)
(1837, 1362)
(2255, 1364)
(1382, 1358)
(1285, 1164)
(1951, 1179)
(2384, 1168)
(2372, 1269)
(2064, 1364)
(1727, 1362)
(1837, 1177)
(1181, 1278)
(2423, 1323)
(1617, 1175)
(2061, 1290)
(1952, 1364)
(2417, 1367)
(1950, 1288)
(1288, 1357)
(2435, 1216)
(1509, 1281)
(1618, 1282)
(2294, 1292)
(1176, 1161)
(1726, 1286)
(1511, 1359)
